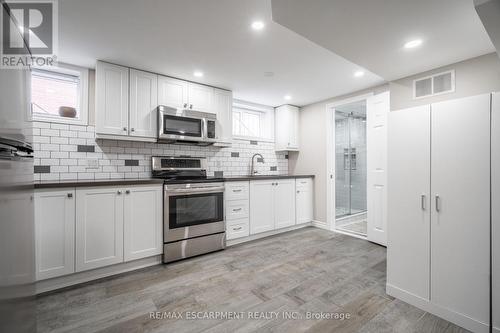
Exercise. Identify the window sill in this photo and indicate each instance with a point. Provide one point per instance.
(247, 138)
(59, 120)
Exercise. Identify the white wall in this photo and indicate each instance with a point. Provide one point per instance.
(472, 77)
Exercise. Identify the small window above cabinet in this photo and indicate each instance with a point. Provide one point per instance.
(287, 128)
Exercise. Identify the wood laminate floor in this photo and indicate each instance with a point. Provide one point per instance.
(305, 271)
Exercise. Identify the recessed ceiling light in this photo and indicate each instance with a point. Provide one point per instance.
(198, 73)
(359, 73)
(287, 97)
(413, 44)
(257, 25)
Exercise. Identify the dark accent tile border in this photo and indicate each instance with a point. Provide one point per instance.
(235, 154)
(86, 148)
(219, 174)
(42, 168)
(274, 168)
(260, 160)
(131, 162)
(252, 142)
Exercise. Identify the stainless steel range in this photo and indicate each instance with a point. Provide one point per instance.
(193, 208)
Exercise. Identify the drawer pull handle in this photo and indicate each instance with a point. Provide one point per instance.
(70, 195)
(236, 229)
(236, 209)
(303, 182)
(236, 191)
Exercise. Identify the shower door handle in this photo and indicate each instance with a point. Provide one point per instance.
(422, 201)
(438, 203)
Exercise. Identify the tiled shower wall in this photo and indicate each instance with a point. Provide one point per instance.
(72, 152)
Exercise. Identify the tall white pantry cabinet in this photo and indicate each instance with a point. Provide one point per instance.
(439, 181)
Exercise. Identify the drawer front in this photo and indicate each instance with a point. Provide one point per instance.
(236, 209)
(304, 183)
(237, 229)
(237, 190)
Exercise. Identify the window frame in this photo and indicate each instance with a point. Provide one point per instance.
(66, 69)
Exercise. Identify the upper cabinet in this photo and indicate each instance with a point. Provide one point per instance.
(223, 107)
(172, 92)
(143, 103)
(127, 101)
(112, 99)
(287, 128)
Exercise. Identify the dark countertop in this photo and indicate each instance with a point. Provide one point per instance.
(145, 181)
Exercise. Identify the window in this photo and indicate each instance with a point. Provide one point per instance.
(59, 94)
(253, 121)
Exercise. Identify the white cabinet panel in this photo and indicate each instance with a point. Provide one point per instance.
(172, 92)
(236, 190)
(236, 209)
(287, 128)
(237, 229)
(200, 97)
(55, 233)
(408, 246)
(304, 200)
(112, 99)
(223, 107)
(261, 206)
(495, 181)
(284, 203)
(143, 103)
(460, 174)
(99, 227)
(142, 222)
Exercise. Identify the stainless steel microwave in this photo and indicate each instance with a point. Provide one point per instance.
(186, 126)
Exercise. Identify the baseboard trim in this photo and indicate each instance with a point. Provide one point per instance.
(496, 329)
(320, 224)
(95, 274)
(266, 234)
(451, 316)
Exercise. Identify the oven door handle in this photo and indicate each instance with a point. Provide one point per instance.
(195, 190)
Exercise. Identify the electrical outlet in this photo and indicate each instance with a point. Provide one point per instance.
(92, 164)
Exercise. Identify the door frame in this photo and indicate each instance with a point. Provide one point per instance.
(330, 158)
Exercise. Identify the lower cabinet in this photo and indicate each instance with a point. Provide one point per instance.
(272, 204)
(99, 227)
(142, 228)
(54, 233)
(304, 203)
(87, 228)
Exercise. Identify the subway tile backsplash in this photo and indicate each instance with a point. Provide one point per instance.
(64, 152)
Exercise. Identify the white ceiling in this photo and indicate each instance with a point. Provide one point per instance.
(372, 33)
(176, 37)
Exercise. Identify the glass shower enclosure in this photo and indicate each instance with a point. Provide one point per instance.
(350, 160)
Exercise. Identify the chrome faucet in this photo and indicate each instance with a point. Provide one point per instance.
(252, 171)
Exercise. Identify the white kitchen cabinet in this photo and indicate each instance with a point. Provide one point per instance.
(142, 228)
(143, 103)
(200, 97)
(172, 92)
(54, 232)
(223, 107)
(439, 209)
(112, 99)
(284, 203)
(408, 247)
(272, 204)
(262, 212)
(99, 227)
(304, 200)
(495, 199)
(287, 128)
(236, 203)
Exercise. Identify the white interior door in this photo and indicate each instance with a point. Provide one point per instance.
(408, 199)
(377, 110)
(460, 220)
(495, 181)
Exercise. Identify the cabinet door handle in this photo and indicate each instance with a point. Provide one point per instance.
(422, 201)
(132, 129)
(236, 209)
(70, 195)
(236, 191)
(236, 229)
(127, 192)
(124, 128)
(438, 203)
(118, 192)
(298, 191)
(185, 105)
(190, 106)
